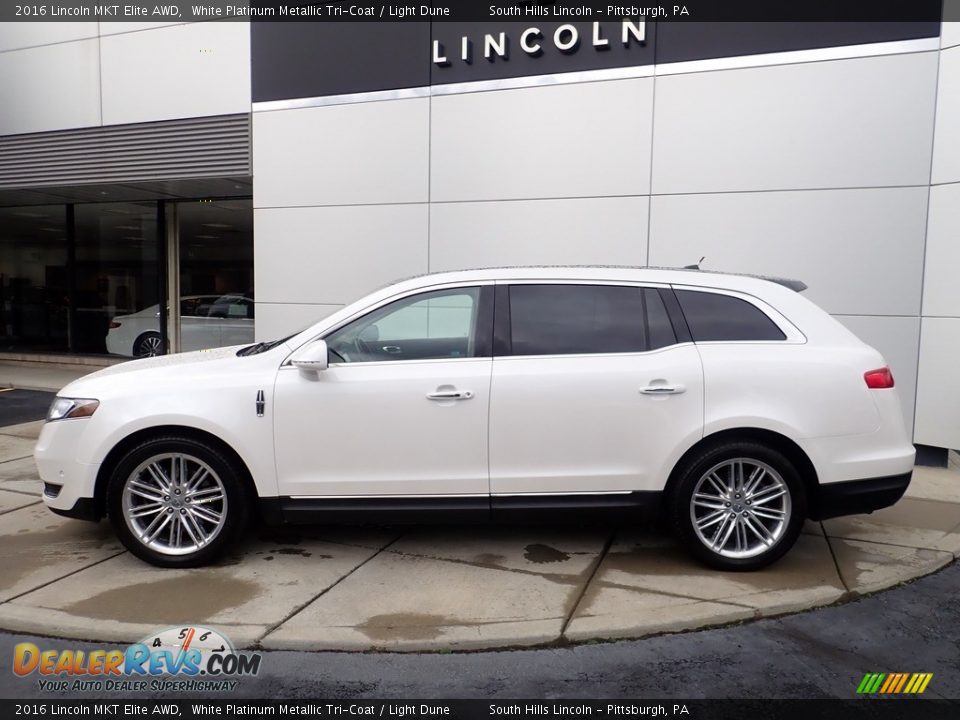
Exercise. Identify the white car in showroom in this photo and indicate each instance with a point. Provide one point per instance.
(206, 321)
(729, 405)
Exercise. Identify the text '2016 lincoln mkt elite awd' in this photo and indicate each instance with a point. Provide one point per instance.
(729, 405)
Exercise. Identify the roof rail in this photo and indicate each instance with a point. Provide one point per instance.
(795, 285)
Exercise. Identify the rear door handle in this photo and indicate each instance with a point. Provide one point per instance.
(663, 389)
(450, 395)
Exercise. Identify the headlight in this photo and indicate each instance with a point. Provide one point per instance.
(64, 408)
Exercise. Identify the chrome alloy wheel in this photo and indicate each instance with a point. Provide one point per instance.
(174, 503)
(740, 508)
(148, 346)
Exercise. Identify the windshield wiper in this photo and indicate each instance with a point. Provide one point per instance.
(260, 347)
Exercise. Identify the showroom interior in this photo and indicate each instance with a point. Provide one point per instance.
(297, 166)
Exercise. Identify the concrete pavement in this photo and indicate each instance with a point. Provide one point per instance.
(439, 588)
(47, 376)
(821, 653)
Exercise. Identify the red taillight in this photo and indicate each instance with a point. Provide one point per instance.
(879, 379)
(114, 324)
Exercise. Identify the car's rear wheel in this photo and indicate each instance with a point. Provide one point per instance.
(738, 505)
(148, 345)
(176, 502)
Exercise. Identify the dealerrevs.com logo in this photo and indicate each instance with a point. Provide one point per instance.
(175, 659)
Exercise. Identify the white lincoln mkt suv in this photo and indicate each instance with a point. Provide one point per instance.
(729, 405)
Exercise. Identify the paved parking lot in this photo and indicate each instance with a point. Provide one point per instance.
(20, 406)
(439, 588)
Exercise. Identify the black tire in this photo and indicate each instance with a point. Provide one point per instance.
(235, 509)
(147, 345)
(680, 509)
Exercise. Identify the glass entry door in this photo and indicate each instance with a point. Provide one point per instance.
(215, 255)
(117, 273)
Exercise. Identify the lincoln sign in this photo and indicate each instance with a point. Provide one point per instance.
(565, 38)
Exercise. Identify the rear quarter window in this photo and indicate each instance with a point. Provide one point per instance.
(715, 317)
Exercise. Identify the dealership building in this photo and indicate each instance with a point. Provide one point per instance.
(268, 173)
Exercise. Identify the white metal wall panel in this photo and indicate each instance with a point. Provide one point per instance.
(50, 87)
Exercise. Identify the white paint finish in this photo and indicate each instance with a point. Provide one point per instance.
(802, 391)
(50, 88)
(409, 443)
(276, 320)
(587, 231)
(897, 339)
(347, 154)
(859, 251)
(946, 146)
(938, 386)
(843, 123)
(334, 255)
(369, 429)
(544, 438)
(941, 278)
(553, 141)
(195, 70)
(19, 35)
(188, 389)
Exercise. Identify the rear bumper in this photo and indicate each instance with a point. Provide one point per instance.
(859, 496)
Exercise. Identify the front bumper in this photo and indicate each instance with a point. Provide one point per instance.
(56, 455)
(858, 496)
(82, 509)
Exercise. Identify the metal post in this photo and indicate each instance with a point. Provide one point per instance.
(172, 242)
(71, 278)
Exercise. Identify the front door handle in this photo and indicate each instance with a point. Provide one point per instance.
(663, 389)
(450, 395)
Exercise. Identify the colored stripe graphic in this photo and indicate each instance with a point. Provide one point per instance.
(894, 683)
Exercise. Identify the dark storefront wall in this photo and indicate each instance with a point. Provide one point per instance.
(116, 268)
(33, 278)
(66, 271)
(315, 59)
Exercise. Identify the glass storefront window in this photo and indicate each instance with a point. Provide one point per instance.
(34, 292)
(216, 273)
(88, 278)
(118, 279)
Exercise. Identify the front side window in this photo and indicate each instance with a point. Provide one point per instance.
(435, 325)
(577, 319)
(714, 317)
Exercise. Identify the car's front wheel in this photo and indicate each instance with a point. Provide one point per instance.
(176, 502)
(738, 505)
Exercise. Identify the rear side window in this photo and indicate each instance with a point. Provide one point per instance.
(721, 317)
(575, 319)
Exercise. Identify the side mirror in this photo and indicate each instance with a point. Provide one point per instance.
(312, 358)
